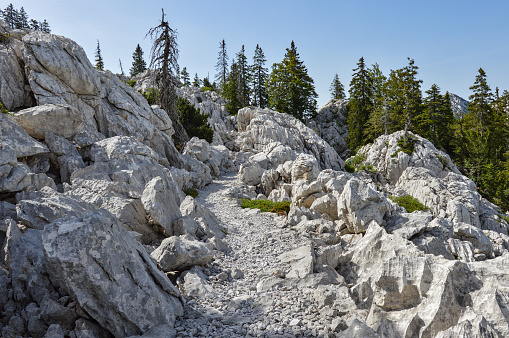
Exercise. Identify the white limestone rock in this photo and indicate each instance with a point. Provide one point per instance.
(331, 125)
(14, 135)
(198, 149)
(178, 253)
(258, 128)
(109, 274)
(161, 202)
(360, 205)
(62, 120)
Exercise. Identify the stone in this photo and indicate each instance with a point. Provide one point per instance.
(178, 253)
(305, 167)
(194, 283)
(12, 235)
(302, 261)
(62, 120)
(250, 173)
(209, 224)
(258, 128)
(160, 200)
(89, 257)
(13, 135)
(359, 205)
(198, 149)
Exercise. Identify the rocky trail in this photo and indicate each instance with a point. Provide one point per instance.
(229, 304)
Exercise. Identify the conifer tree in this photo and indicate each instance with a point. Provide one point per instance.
(34, 25)
(230, 89)
(360, 105)
(436, 120)
(243, 78)
(479, 108)
(222, 64)
(44, 26)
(164, 62)
(290, 89)
(184, 76)
(196, 80)
(99, 64)
(337, 89)
(22, 19)
(378, 122)
(206, 83)
(139, 65)
(259, 75)
(10, 16)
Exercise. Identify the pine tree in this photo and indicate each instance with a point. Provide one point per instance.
(413, 95)
(360, 105)
(45, 27)
(184, 76)
(139, 65)
(196, 81)
(163, 60)
(290, 89)
(222, 64)
(337, 89)
(243, 79)
(22, 18)
(378, 121)
(230, 90)
(436, 120)
(259, 75)
(206, 83)
(479, 108)
(34, 25)
(99, 64)
(10, 16)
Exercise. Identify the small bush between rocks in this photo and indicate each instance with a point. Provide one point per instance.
(151, 95)
(505, 218)
(131, 83)
(407, 146)
(410, 203)
(204, 89)
(194, 122)
(191, 192)
(2, 109)
(267, 205)
(355, 164)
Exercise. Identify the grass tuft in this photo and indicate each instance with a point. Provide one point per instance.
(267, 205)
(410, 203)
(191, 192)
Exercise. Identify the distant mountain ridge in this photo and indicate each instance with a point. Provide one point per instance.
(459, 105)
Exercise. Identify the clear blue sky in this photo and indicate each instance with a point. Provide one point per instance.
(449, 39)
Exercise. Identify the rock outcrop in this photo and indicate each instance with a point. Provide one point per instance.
(98, 237)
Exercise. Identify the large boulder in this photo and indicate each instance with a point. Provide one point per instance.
(258, 128)
(109, 274)
(62, 120)
(177, 253)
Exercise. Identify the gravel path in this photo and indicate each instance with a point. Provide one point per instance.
(234, 308)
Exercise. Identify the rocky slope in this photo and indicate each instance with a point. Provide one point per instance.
(98, 238)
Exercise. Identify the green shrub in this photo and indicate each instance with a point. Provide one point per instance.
(151, 95)
(131, 83)
(194, 122)
(191, 192)
(355, 164)
(505, 218)
(349, 168)
(2, 109)
(204, 89)
(410, 203)
(267, 205)
(4, 37)
(407, 146)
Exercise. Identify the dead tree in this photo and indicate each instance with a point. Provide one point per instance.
(163, 60)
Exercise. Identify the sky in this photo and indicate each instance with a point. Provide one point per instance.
(448, 39)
